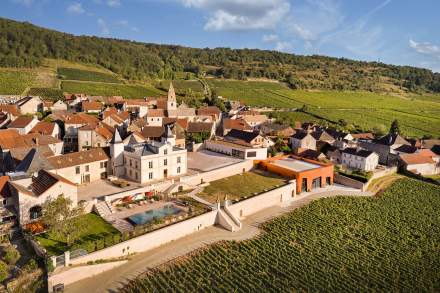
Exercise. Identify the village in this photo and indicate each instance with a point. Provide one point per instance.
(141, 166)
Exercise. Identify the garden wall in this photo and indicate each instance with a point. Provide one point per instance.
(81, 272)
(279, 196)
(151, 240)
(347, 181)
(219, 173)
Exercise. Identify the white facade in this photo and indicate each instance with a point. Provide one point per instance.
(358, 162)
(235, 150)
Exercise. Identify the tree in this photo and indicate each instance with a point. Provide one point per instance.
(63, 220)
(394, 129)
(4, 272)
(379, 130)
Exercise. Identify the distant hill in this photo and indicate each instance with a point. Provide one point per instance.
(25, 45)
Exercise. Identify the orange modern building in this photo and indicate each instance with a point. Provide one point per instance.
(309, 174)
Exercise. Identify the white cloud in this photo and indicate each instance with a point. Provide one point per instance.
(124, 23)
(241, 14)
(114, 3)
(425, 48)
(270, 38)
(75, 8)
(105, 31)
(284, 46)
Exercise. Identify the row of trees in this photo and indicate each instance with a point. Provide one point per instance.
(25, 45)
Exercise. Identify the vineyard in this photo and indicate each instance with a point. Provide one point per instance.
(52, 94)
(85, 75)
(417, 115)
(342, 244)
(110, 89)
(15, 82)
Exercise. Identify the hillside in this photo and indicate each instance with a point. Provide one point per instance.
(25, 45)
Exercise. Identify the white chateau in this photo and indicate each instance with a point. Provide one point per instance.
(146, 162)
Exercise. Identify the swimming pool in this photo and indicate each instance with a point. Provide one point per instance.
(149, 216)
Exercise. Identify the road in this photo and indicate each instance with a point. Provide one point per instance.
(111, 280)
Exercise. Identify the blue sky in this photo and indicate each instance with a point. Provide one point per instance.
(403, 32)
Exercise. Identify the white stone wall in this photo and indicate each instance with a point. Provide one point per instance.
(153, 239)
(219, 173)
(422, 169)
(280, 196)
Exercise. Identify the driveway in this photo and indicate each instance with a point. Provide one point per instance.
(111, 280)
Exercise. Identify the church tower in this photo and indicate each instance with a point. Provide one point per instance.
(117, 154)
(171, 102)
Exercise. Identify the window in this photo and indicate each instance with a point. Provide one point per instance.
(105, 164)
(165, 162)
(130, 173)
(130, 163)
(252, 154)
(178, 159)
(150, 175)
(77, 170)
(150, 164)
(87, 168)
(178, 170)
(165, 151)
(136, 164)
(136, 175)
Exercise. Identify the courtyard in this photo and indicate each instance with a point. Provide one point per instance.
(242, 186)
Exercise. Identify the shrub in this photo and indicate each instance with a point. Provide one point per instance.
(11, 255)
(31, 265)
(4, 272)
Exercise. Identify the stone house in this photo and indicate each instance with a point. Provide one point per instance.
(30, 194)
(303, 140)
(81, 167)
(359, 159)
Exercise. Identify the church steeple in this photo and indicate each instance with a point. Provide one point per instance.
(171, 93)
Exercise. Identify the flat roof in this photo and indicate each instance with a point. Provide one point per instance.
(295, 165)
(204, 161)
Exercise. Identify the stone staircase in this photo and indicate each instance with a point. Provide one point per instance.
(103, 209)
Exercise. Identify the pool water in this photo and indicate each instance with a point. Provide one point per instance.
(149, 216)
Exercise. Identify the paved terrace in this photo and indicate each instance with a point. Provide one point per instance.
(113, 279)
(204, 161)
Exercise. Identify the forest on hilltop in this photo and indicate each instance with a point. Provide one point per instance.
(25, 45)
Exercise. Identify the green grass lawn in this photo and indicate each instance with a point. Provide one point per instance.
(96, 230)
(341, 244)
(85, 75)
(110, 89)
(242, 185)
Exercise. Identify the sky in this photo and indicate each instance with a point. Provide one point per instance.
(402, 32)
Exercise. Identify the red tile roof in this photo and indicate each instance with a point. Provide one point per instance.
(4, 189)
(12, 109)
(43, 127)
(78, 158)
(414, 159)
(91, 106)
(21, 122)
(156, 113)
